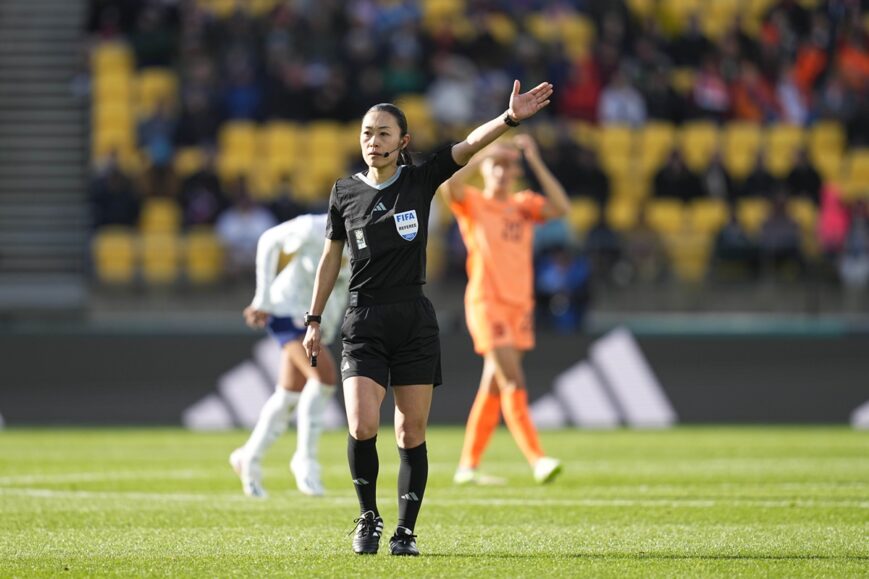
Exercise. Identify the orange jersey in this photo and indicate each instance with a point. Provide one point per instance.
(499, 236)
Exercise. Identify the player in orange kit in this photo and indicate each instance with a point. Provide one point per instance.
(497, 228)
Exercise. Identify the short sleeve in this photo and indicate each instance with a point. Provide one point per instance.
(531, 205)
(438, 169)
(335, 218)
(463, 207)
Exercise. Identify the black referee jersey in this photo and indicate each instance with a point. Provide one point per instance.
(387, 225)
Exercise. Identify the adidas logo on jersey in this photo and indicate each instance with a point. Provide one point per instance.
(410, 497)
(379, 207)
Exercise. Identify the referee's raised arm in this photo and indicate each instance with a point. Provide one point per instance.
(521, 107)
(324, 282)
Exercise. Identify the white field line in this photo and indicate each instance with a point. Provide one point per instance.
(72, 477)
(449, 502)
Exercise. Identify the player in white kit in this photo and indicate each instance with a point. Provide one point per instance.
(279, 305)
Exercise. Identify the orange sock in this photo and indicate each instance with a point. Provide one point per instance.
(482, 422)
(515, 405)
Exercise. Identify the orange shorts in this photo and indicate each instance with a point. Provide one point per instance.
(498, 324)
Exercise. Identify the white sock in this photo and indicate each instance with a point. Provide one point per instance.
(272, 422)
(312, 405)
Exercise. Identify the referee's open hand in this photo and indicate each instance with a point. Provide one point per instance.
(311, 342)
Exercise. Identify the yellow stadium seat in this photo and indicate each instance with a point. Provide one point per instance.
(237, 145)
(109, 116)
(114, 255)
(621, 213)
(674, 13)
(655, 141)
(642, 9)
(617, 139)
(751, 213)
(682, 80)
(584, 213)
(188, 160)
(826, 137)
(698, 141)
(666, 216)
(689, 255)
(782, 143)
(160, 216)
(829, 165)
(741, 142)
(156, 85)
(203, 256)
(161, 254)
(501, 27)
(804, 212)
(585, 135)
(111, 58)
(855, 175)
(112, 89)
(707, 216)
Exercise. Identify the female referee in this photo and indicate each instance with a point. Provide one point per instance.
(279, 304)
(390, 331)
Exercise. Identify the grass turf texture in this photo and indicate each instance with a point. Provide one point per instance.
(685, 502)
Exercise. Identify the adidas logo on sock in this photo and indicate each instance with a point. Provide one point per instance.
(360, 481)
(410, 497)
(379, 207)
(346, 365)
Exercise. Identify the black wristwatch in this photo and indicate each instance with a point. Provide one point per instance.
(312, 318)
(508, 120)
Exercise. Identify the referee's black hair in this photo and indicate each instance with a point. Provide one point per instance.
(403, 156)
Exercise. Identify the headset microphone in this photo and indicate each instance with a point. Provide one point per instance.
(388, 153)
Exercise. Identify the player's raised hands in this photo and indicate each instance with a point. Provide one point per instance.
(528, 146)
(525, 105)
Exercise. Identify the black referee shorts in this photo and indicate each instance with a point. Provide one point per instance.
(394, 343)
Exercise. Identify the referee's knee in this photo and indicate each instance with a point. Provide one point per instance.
(363, 431)
(410, 437)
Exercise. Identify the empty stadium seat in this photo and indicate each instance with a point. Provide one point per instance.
(655, 142)
(160, 258)
(237, 146)
(698, 142)
(584, 213)
(707, 216)
(113, 250)
(621, 213)
(666, 216)
(741, 142)
(782, 143)
(155, 86)
(188, 160)
(111, 58)
(203, 256)
(751, 213)
(160, 216)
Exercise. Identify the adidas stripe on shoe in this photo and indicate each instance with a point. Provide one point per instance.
(368, 530)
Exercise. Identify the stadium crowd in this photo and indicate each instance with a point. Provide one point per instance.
(696, 139)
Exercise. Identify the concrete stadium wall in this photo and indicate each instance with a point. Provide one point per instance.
(127, 377)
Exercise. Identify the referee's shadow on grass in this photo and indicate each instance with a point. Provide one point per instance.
(599, 556)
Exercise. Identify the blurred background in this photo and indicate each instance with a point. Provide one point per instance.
(716, 153)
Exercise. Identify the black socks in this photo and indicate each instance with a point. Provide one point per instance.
(364, 466)
(412, 476)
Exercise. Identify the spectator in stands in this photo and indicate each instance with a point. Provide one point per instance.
(578, 99)
(285, 206)
(717, 183)
(662, 101)
(621, 103)
(451, 95)
(759, 182)
(239, 228)
(804, 180)
(835, 100)
(734, 249)
(562, 288)
(691, 48)
(832, 221)
(578, 169)
(114, 199)
(202, 198)
(854, 263)
(242, 95)
(794, 105)
(674, 180)
(156, 135)
(154, 39)
(779, 241)
(603, 248)
(197, 125)
(644, 252)
(753, 98)
(711, 95)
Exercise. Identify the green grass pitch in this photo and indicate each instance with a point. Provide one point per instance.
(687, 502)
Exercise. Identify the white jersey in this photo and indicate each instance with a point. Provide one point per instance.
(288, 293)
